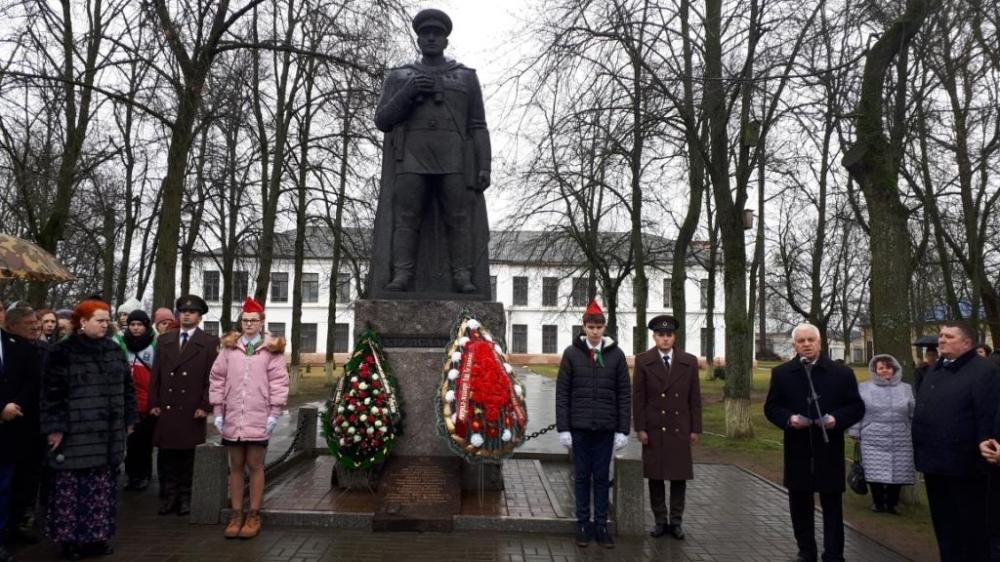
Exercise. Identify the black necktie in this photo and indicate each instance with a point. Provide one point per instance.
(666, 361)
(184, 339)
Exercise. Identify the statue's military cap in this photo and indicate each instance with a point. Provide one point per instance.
(663, 323)
(432, 16)
(192, 302)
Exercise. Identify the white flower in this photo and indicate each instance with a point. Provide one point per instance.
(343, 442)
(373, 411)
(518, 390)
(350, 407)
(364, 417)
(368, 401)
(378, 423)
(354, 378)
(450, 396)
(506, 435)
(453, 374)
(508, 368)
(376, 392)
(370, 430)
(352, 430)
(456, 356)
(463, 341)
(357, 438)
(345, 424)
(476, 440)
(487, 337)
(363, 386)
(383, 429)
(473, 324)
(375, 377)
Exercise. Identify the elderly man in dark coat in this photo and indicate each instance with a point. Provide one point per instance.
(666, 410)
(178, 395)
(814, 400)
(593, 400)
(955, 410)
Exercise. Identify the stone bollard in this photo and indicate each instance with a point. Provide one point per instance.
(308, 421)
(210, 487)
(629, 492)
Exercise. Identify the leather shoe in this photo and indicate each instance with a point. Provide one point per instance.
(659, 530)
(677, 531)
(137, 485)
(184, 507)
(583, 535)
(802, 558)
(71, 551)
(21, 535)
(168, 505)
(604, 537)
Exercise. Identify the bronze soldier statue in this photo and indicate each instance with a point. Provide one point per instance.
(436, 163)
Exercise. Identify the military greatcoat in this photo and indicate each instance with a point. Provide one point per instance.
(667, 406)
(179, 386)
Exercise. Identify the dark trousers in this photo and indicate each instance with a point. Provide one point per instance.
(27, 482)
(802, 505)
(958, 512)
(176, 469)
(885, 495)
(139, 451)
(6, 476)
(658, 500)
(592, 466)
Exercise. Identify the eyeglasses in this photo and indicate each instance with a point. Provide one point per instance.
(251, 320)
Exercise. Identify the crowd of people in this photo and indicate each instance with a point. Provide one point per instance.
(87, 390)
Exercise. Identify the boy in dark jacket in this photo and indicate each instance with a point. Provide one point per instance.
(593, 411)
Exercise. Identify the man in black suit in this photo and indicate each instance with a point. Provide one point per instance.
(814, 400)
(20, 374)
(955, 410)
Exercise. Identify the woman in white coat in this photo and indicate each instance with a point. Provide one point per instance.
(884, 433)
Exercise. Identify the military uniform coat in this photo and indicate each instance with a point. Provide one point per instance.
(667, 406)
(179, 386)
(810, 464)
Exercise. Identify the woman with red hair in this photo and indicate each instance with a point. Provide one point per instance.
(88, 407)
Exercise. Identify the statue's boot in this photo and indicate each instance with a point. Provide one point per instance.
(462, 279)
(404, 249)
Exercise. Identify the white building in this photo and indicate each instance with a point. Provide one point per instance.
(542, 288)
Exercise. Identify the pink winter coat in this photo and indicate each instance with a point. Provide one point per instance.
(245, 390)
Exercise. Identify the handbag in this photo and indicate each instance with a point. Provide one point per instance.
(856, 476)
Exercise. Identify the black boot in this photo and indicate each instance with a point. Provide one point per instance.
(583, 534)
(71, 551)
(401, 280)
(604, 537)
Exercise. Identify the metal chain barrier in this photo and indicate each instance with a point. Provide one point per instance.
(538, 433)
(299, 433)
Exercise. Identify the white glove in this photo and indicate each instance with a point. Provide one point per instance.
(272, 422)
(218, 421)
(620, 440)
(566, 439)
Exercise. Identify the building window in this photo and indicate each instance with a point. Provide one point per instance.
(241, 286)
(575, 332)
(344, 287)
(519, 339)
(703, 290)
(279, 286)
(550, 291)
(493, 288)
(210, 285)
(667, 303)
(212, 328)
(550, 339)
(520, 291)
(276, 329)
(307, 338)
(310, 287)
(341, 335)
(579, 295)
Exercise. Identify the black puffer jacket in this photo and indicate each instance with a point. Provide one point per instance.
(87, 395)
(590, 396)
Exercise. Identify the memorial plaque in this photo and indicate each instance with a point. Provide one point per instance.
(419, 494)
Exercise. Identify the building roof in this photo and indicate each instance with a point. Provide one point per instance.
(530, 247)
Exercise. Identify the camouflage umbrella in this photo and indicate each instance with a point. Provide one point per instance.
(20, 259)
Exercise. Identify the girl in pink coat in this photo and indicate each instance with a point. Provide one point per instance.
(248, 390)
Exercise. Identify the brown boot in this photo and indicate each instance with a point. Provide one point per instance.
(235, 524)
(251, 527)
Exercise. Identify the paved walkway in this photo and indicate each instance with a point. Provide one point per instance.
(731, 515)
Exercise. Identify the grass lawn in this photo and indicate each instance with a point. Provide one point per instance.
(910, 534)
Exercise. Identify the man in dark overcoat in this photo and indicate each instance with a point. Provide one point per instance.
(20, 379)
(666, 412)
(593, 400)
(814, 458)
(178, 395)
(955, 410)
